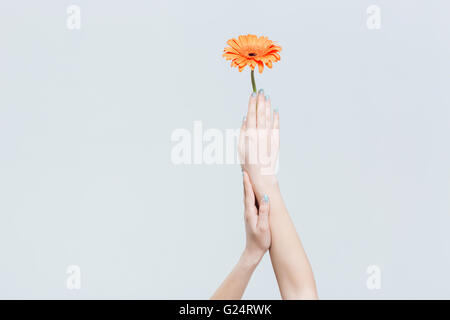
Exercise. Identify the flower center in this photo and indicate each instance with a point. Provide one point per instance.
(252, 54)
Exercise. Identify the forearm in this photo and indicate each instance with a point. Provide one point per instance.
(290, 263)
(233, 287)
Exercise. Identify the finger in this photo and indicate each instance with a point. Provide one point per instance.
(276, 119)
(251, 114)
(241, 143)
(268, 113)
(263, 219)
(244, 123)
(249, 195)
(261, 110)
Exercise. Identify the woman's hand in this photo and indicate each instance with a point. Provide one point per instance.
(259, 143)
(258, 242)
(258, 149)
(256, 223)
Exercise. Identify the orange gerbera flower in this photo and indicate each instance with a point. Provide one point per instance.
(252, 51)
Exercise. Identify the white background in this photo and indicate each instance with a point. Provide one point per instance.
(86, 118)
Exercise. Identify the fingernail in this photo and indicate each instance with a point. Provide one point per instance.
(261, 91)
(266, 198)
(275, 110)
(267, 97)
(253, 94)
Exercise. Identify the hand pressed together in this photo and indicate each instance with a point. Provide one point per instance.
(259, 143)
(256, 222)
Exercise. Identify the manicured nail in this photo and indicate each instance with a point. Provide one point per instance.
(266, 198)
(253, 94)
(267, 98)
(244, 118)
(261, 91)
(275, 110)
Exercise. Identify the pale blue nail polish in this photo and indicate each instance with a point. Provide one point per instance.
(261, 91)
(266, 198)
(244, 118)
(267, 97)
(275, 110)
(253, 94)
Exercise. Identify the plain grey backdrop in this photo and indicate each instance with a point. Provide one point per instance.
(86, 118)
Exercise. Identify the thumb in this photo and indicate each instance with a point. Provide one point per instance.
(249, 196)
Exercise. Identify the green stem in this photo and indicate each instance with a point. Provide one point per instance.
(253, 80)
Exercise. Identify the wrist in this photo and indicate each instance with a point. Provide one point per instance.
(252, 257)
(269, 181)
(266, 186)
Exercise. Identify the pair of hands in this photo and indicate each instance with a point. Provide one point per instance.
(266, 218)
(258, 151)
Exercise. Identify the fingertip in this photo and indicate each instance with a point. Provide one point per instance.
(276, 119)
(244, 123)
(261, 98)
